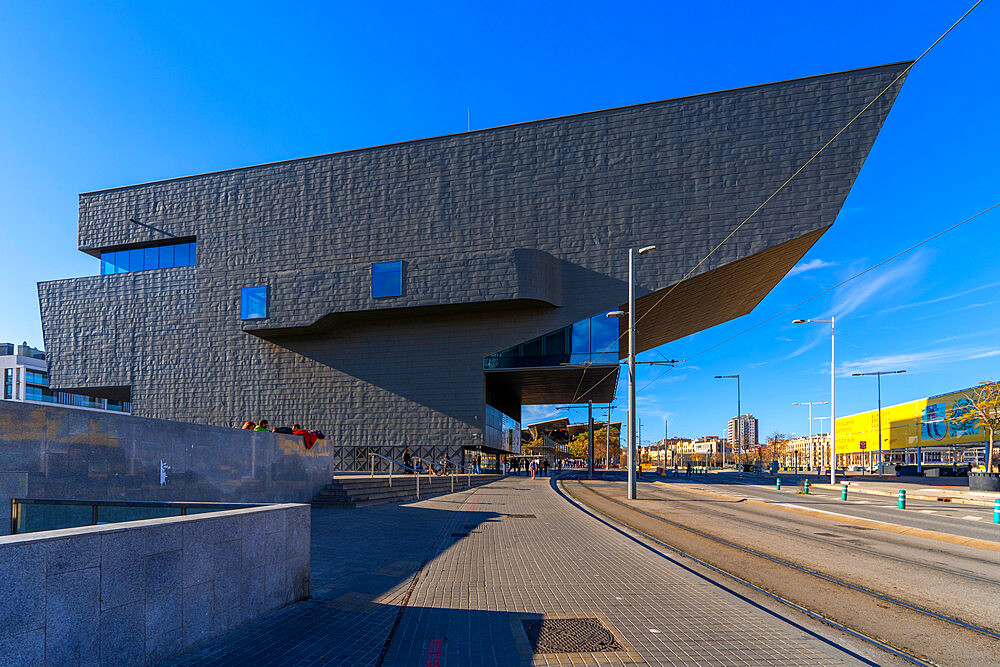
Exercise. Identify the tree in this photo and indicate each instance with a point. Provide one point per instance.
(984, 401)
(578, 445)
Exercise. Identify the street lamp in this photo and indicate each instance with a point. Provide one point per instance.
(811, 454)
(833, 397)
(630, 494)
(739, 431)
(878, 375)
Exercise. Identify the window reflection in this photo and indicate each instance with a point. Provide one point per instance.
(148, 258)
(593, 340)
(387, 279)
(253, 303)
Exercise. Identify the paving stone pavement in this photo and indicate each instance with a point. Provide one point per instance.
(494, 557)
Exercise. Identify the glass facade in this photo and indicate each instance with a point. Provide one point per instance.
(147, 259)
(387, 279)
(253, 303)
(502, 431)
(593, 340)
(36, 388)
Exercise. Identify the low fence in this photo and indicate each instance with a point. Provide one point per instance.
(143, 591)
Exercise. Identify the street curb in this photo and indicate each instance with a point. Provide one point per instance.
(987, 500)
(974, 542)
(879, 492)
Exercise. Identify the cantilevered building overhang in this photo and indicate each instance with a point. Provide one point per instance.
(503, 249)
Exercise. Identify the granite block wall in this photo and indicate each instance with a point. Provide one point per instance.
(140, 592)
(506, 234)
(57, 452)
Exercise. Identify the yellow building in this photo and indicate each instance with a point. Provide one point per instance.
(937, 429)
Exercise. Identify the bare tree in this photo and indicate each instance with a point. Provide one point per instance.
(984, 402)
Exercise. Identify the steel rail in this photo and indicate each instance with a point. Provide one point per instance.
(805, 570)
(592, 511)
(879, 537)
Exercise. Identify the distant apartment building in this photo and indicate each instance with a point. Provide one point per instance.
(26, 380)
(743, 430)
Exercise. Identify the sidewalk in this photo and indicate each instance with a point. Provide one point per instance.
(460, 579)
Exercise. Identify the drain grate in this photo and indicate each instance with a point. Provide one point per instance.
(462, 534)
(827, 535)
(570, 635)
(520, 516)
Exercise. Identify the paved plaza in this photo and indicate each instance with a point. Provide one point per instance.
(461, 579)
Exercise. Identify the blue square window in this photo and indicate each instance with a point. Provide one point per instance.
(387, 279)
(253, 303)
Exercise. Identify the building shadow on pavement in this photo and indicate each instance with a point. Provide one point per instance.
(363, 566)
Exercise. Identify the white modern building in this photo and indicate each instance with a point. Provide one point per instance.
(26, 380)
(743, 431)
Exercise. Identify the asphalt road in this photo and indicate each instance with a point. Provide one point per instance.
(953, 518)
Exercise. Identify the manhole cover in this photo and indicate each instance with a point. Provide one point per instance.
(570, 635)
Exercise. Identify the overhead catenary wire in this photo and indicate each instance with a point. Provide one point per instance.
(828, 289)
(904, 72)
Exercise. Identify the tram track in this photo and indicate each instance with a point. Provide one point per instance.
(913, 631)
(799, 523)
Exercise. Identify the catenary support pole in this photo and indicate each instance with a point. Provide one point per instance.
(590, 440)
(631, 380)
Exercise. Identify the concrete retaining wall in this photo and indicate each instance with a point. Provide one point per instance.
(140, 592)
(56, 452)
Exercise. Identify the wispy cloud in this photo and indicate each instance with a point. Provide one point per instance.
(900, 277)
(939, 299)
(943, 313)
(811, 265)
(918, 360)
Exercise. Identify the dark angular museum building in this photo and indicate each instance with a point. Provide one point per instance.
(420, 293)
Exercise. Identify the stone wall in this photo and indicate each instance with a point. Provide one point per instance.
(140, 592)
(57, 452)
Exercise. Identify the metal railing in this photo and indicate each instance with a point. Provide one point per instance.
(92, 513)
(427, 468)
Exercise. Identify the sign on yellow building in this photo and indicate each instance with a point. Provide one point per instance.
(943, 420)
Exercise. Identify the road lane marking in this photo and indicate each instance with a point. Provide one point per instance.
(969, 517)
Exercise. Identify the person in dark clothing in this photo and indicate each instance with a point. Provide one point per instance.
(545, 467)
(445, 462)
(689, 470)
(407, 459)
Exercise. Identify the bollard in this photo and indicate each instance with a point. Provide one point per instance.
(777, 484)
(996, 511)
(843, 491)
(805, 487)
(902, 499)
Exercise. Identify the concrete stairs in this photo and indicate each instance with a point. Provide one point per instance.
(363, 491)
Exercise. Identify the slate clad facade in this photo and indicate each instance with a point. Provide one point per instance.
(504, 235)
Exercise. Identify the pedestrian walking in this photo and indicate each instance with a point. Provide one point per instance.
(545, 467)
(444, 463)
(533, 468)
(407, 460)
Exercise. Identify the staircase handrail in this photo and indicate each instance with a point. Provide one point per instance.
(383, 456)
(460, 466)
(430, 464)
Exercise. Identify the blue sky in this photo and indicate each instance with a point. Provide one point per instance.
(104, 95)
